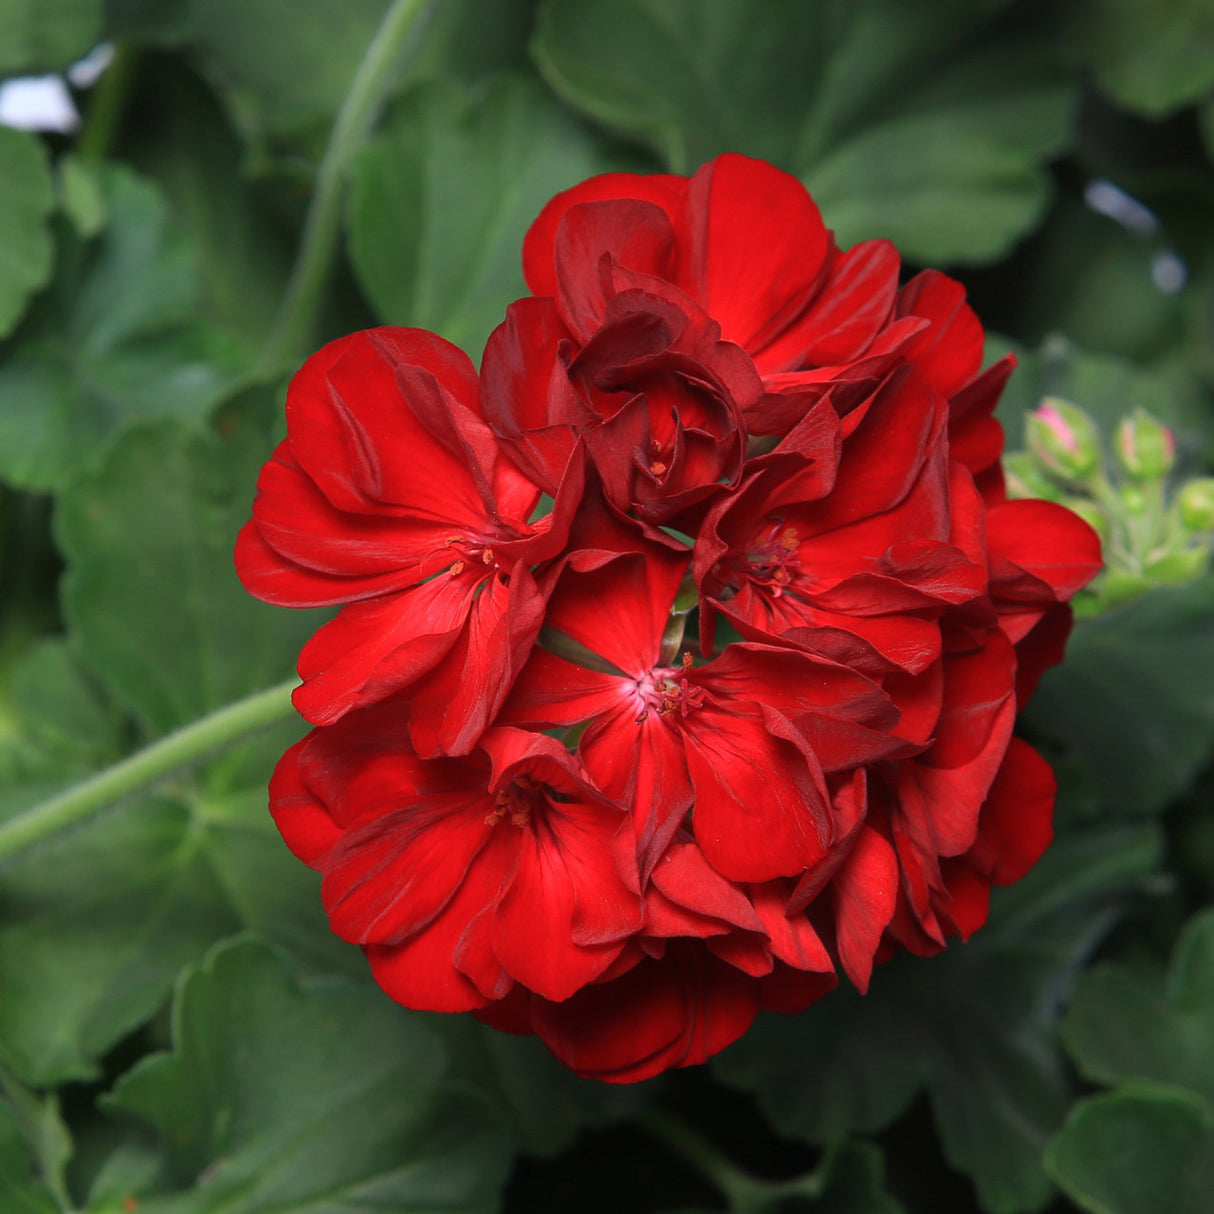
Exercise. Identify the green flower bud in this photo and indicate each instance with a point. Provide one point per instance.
(1064, 439)
(1146, 448)
(1025, 479)
(1196, 501)
(1133, 500)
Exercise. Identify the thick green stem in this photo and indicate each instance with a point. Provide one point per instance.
(354, 120)
(137, 773)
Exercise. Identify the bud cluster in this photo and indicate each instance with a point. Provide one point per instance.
(1154, 534)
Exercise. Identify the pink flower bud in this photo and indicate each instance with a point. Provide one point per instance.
(1064, 439)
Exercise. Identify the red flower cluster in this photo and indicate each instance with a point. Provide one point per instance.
(680, 648)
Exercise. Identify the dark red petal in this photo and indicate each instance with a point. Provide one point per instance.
(669, 1013)
(687, 879)
(302, 818)
(533, 928)
(364, 428)
(793, 939)
(300, 552)
(1016, 824)
(525, 389)
(790, 990)
(591, 238)
(391, 875)
(1040, 648)
(864, 892)
(664, 190)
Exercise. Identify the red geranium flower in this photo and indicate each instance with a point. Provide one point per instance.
(734, 715)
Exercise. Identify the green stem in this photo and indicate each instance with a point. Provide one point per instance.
(106, 107)
(137, 773)
(743, 1192)
(354, 120)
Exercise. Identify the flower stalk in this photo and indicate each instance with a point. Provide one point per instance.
(353, 124)
(139, 772)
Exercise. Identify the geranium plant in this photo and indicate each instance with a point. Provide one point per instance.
(728, 724)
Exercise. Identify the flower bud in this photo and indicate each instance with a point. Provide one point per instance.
(1133, 500)
(1196, 501)
(1146, 448)
(1064, 439)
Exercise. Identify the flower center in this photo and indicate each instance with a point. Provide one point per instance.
(517, 802)
(770, 560)
(467, 550)
(667, 690)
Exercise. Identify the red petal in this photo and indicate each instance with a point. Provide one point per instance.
(302, 818)
(669, 1013)
(1040, 551)
(374, 648)
(853, 302)
(949, 353)
(864, 891)
(761, 805)
(758, 245)
(1016, 824)
(666, 191)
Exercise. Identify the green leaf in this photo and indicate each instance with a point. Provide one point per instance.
(151, 594)
(544, 1104)
(243, 251)
(279, 75)
(956, 174)
(46, 1136)
(27, 194)
(97, 925)
(468, 40)
(1148, 57)
(39, 35)
(1133, 697)
(974, 1026)
(20, 1191)
(159, 22)
(98, 922)
(325, 1098)
(898, 132)
(113, 340)
(1124, 1024)
(1139, 1151)
(442, 196)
